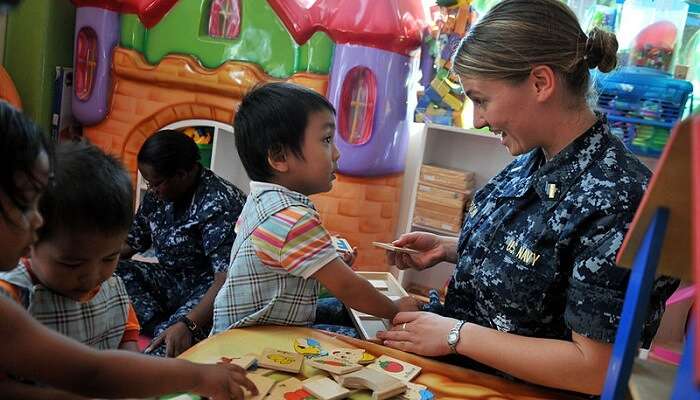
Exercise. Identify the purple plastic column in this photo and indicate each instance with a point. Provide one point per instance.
(105, 23)
(385, 152)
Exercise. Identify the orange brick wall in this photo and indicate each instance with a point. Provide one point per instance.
(146, 98)
(363, 210)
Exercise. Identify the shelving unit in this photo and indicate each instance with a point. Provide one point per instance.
(224, 159)
(450, 147)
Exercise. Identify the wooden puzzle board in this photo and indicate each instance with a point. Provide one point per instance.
(444, 380)
(367, 325)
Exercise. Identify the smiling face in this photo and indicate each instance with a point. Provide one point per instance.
(508, 110)
(74, 264)
(21, 219)
(316, 171)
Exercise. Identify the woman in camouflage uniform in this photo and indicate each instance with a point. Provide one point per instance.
(536, 293)
(188, 217)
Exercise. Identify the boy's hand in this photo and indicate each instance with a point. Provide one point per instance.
(349, 257)
(409, 303)
(223, 382)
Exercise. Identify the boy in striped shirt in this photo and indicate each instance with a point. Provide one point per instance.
(282, 253)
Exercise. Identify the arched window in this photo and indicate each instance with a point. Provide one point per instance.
(225, 19)
(357, 105)
(85, 62)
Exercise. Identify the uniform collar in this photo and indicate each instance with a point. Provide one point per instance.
(557, 175)
(551, 179)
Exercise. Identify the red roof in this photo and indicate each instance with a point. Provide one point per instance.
(393, 25)
(150, 12)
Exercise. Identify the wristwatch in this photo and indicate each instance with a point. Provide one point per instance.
(191, 325)
(453, 336)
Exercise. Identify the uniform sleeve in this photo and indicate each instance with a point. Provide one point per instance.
(294, 241)
(218, 232)
(597, 285)
(139, 237)
(133, 328)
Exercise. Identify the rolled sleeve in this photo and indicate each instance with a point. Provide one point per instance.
(597, 286)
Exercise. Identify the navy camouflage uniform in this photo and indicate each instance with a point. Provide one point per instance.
(536, 254)
(190, 248)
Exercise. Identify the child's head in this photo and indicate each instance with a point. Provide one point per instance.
(24, 163)
(167, 161)
(284, 134)
(88, 211)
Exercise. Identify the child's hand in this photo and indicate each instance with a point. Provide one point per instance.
(223, 382)
(349, 257)
(408, 303)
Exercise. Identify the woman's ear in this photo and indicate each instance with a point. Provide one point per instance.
(277, 158)
(544, 81)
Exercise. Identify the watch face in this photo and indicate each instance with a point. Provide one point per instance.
(452, 338)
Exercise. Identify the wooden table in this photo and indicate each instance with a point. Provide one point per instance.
(444, 380)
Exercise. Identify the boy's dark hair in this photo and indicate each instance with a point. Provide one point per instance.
(271, 118)
(21, 143)
(168, 151)
(91, 192)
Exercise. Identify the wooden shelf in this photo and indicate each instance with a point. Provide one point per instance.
(464, 131)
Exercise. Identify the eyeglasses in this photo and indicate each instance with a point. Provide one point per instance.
(153, 186)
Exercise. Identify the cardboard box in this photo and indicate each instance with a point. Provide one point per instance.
(448, 194)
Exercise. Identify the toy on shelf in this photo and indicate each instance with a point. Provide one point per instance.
(642, 104)
(653, 46)
(443, 99)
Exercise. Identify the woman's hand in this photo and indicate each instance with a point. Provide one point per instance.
(177, 339)
(421, 333)
(431, 247)
(223, 382)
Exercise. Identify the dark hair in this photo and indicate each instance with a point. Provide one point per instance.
(91, 192)
(21, 143)
(272, 118)
(515, 35)
(168, 151)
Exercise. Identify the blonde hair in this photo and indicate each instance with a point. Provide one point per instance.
(516, 35)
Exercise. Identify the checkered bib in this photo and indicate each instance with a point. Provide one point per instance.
(98, 323)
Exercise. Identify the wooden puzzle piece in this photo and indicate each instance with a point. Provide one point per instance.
(309, 347)
(333, 365)
(398, 369)
(325, 389)
(287, 389)
(261, 371)
(367, 358)
(264, 384)
(416, 392)
(244, 362)
(391, 247)
(281, 360)
(382, 385)
(348, 354)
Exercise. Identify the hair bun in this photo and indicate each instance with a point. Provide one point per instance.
(601, 50)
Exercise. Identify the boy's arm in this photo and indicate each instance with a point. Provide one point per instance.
(354, 291)
(13, 390)
(34, 351)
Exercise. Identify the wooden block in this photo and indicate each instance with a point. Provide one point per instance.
(452, 228)
(443, 193)
(447, 178)
(398, 369)
(449, 210)
(428, 213)
(325, 389)
(288, 387)
(264, 384)
(281, 360)
(348, 354)
(382, 385)
(416, 392)
(333, 365)
(308, 347)
(244, 362)
(261, 371)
